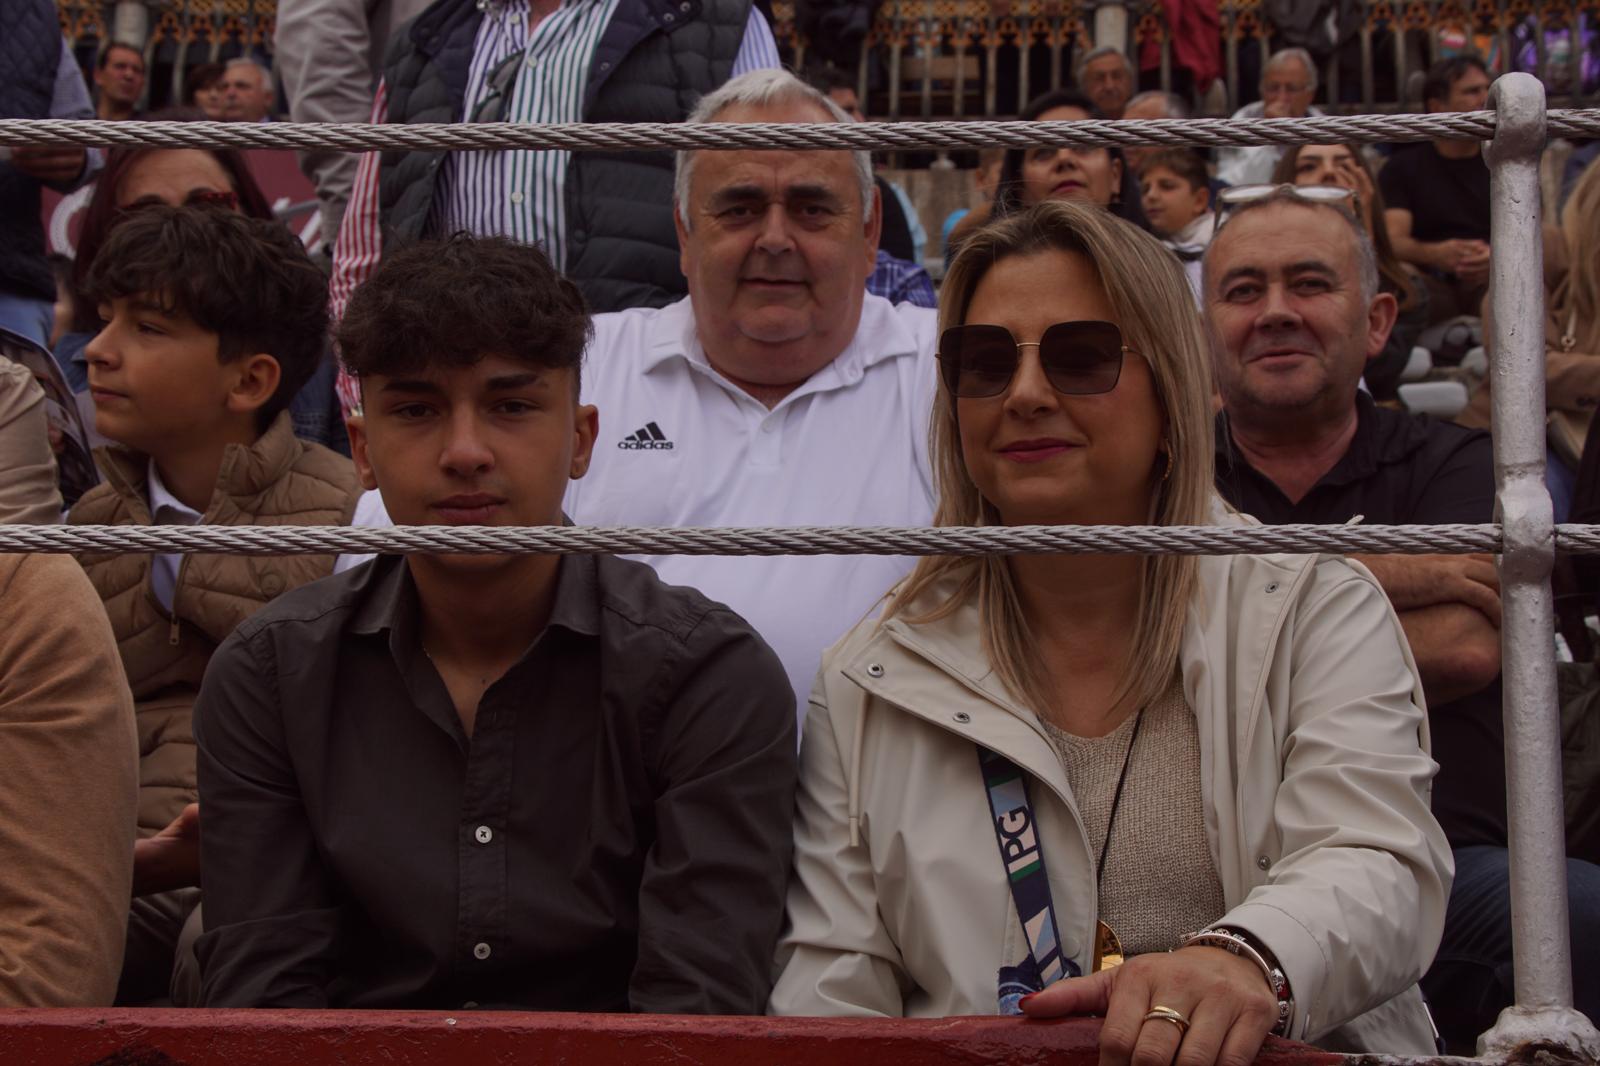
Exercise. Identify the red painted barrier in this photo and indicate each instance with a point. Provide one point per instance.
(396, 1038)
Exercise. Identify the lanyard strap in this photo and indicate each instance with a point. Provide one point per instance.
(1023, 859)
(1023, 855)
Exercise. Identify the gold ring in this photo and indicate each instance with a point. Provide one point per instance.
(1167, 1014)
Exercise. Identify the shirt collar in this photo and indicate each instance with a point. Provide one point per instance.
(881, 334)
(165, 508)
(391, 605)
(1381, 438)
(1196, 235)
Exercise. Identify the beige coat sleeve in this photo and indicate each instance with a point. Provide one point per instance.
(69, 782)
(835, 959)
(29, 494)
(1354, 905)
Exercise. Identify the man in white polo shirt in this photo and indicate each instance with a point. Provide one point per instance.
(778, 393)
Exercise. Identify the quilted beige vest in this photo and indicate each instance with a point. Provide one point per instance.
(280, 480)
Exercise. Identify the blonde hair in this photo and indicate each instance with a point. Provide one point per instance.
(1152, 301)
(1577, 295)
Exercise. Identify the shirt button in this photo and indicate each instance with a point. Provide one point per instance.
(1263, 862)
(480, 951)
(532, 62)
(769, 427)
(516, 197)
(483, 834)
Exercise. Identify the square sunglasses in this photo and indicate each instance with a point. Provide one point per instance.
(1078, 358)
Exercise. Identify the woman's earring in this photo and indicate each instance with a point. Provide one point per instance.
(1168, 472)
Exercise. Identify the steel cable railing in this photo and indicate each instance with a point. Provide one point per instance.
(903, 136)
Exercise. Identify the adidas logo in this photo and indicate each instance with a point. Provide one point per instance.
(650, 438)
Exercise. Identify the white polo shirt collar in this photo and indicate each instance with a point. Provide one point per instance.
(880, 335)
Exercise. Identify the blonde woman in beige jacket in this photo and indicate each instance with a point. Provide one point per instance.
(1171, 745)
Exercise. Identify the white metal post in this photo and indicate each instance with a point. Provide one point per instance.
(1542, 953)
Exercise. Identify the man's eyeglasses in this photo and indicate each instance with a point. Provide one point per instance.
(1284, 88)
(1235, 196)
(1079, 358)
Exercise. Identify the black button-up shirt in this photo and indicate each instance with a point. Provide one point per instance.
(615, 835)
(1404, 469)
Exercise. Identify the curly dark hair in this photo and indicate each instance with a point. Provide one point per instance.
(247, 280)
(452, 302)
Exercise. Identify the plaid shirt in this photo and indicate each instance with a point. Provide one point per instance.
(900, 281)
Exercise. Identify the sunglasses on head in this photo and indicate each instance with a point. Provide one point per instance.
(1236, 195)
(1078, 358)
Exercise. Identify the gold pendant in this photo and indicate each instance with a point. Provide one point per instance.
(1107, 948)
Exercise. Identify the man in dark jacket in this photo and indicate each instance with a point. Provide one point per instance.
(38, 79)
(531, 781)
(604, 218)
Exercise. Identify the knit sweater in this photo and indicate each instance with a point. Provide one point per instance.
(1159, 880)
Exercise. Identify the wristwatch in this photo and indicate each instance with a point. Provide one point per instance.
(1237, 942)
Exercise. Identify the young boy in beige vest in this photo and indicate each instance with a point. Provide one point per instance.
(212, 322)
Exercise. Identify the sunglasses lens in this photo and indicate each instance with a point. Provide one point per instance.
(977, 360)
(223, 198)
(1082, 358)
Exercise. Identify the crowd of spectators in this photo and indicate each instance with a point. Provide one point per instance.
(1271, 789)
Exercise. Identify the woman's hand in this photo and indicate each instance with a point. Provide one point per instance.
(1226, 999)
(1353, 177)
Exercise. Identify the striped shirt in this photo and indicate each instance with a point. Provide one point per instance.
(517, 194)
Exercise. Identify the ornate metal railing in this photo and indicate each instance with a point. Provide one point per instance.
(983, 58)
(980, 58)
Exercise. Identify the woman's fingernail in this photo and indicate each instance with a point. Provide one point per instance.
(1023, 1002)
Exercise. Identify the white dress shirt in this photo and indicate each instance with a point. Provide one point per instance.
(166, 510)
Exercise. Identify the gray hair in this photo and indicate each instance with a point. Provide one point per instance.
(1175, 105)
(263, 71)
(1366, 252)
(765, 88)
(1096, 53)
(1301, 56)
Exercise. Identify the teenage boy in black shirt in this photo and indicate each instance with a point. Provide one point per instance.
(529, 781)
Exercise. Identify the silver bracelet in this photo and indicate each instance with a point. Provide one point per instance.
(1238, 944)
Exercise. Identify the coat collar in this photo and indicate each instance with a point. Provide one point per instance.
(245, 473)
(939, 672)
